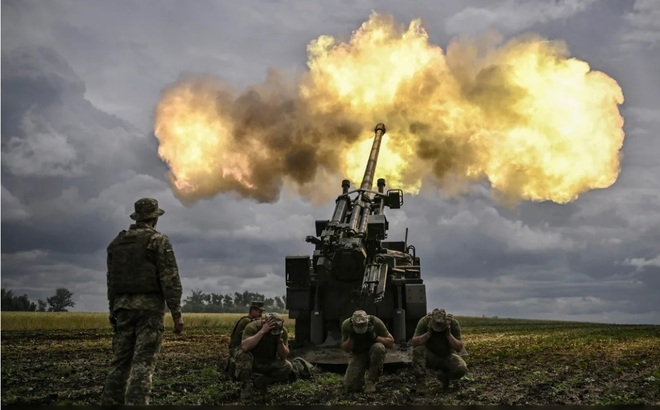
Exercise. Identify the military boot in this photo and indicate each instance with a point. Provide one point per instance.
(246, 391)
(444, 379)
(260, 382)
(420, 386)
(369, 387)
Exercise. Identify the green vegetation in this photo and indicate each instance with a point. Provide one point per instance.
(200, 302)
(98, 320)
(511, 362)
(59, 302)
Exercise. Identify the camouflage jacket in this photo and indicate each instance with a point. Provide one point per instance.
(161, 254)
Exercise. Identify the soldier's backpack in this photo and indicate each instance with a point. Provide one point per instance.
(302, 369)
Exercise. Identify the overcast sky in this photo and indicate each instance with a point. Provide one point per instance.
(81, 80)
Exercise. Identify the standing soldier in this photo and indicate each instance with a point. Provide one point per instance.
(263, 354)
(255, 312)
(436, 341)
(365, 337)
(142, 278)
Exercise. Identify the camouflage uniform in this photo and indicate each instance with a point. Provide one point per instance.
(263, 358)
(237, 336)
(436, 353)
(366, 353)
(139, 313)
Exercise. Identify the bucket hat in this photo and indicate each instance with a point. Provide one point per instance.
(146, 208)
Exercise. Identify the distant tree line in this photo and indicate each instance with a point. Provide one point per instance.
(59, 302)
(200, 302)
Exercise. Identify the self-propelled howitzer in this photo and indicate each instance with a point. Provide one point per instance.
(353, 267)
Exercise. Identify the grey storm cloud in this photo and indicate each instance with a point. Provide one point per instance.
(57, 152)
(80, 81)
(513, 15)
(51, 130)
(644, 21)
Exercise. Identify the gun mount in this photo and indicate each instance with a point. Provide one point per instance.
(353, 267)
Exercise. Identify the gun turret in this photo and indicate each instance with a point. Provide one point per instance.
(353, 267)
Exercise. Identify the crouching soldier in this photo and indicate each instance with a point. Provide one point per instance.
(436, 341)
(365, 337)
(255, 312)
(262, 358)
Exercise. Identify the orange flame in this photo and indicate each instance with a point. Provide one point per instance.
(535, 123)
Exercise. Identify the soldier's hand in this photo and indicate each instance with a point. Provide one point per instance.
(178, 325)
(268, 325)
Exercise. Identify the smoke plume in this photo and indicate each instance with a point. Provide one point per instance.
(535, 123)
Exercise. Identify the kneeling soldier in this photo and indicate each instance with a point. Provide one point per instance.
(256, 310)
(436, 341)
(365, 337)
(263, 350)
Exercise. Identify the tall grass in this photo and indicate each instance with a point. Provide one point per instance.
(99, 320)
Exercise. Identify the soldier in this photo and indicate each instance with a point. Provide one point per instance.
(436, 341)
(255, 312)
(142, 278)
(365, 337)
(263, 354)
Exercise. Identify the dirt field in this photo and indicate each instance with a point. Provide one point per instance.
(511, 362)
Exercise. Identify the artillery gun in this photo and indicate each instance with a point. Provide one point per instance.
(353, 267)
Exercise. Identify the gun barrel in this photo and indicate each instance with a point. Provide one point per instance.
(370, 169)
(357, 222)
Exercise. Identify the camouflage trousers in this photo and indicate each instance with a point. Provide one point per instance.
(275, 371)
(358, 364)
(136, 344)
(230, 368)
(453, 366)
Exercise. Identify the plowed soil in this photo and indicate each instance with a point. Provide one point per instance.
(510, 363)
